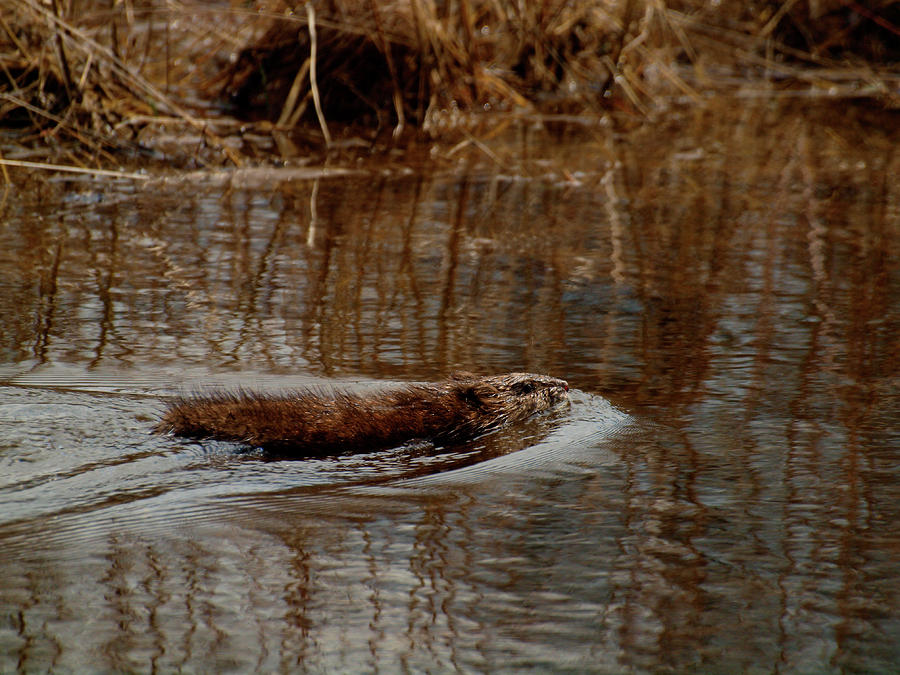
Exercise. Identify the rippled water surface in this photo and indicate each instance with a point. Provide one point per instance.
(721, 494)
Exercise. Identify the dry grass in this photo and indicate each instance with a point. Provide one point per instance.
(94, 79)
(87, 79)
(400, 62)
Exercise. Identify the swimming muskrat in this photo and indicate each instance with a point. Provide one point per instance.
(317, 422)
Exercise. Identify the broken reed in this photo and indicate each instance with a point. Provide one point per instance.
(105, 77)
(90, 76)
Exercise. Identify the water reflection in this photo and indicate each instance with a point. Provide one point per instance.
(730, 278)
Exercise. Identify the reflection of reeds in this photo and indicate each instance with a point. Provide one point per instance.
(737, 276)
(417, 276)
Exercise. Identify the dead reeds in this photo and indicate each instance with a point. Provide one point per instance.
(387, 63)
(164, 79)
(412, 61)
(86, 79)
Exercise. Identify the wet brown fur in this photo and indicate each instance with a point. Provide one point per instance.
(315, 422)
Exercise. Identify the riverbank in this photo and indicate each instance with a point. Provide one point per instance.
(184, 84)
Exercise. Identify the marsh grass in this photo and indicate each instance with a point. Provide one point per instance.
(90, 79)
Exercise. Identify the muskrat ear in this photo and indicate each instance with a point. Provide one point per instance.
(462, 376)
(523, 388)
(477, 394)
(469, 394)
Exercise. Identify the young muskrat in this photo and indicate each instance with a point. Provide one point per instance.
(315, 422)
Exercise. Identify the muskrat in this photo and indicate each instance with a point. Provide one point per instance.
(317, 422)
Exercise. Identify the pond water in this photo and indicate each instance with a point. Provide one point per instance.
(721, 289)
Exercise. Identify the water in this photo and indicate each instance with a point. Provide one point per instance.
(720, 289)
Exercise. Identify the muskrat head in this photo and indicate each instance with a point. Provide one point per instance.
(513, 396)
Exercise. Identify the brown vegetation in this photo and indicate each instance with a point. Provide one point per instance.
(99, 77)
(143, 75)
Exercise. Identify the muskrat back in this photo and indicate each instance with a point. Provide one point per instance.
(316, 422)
